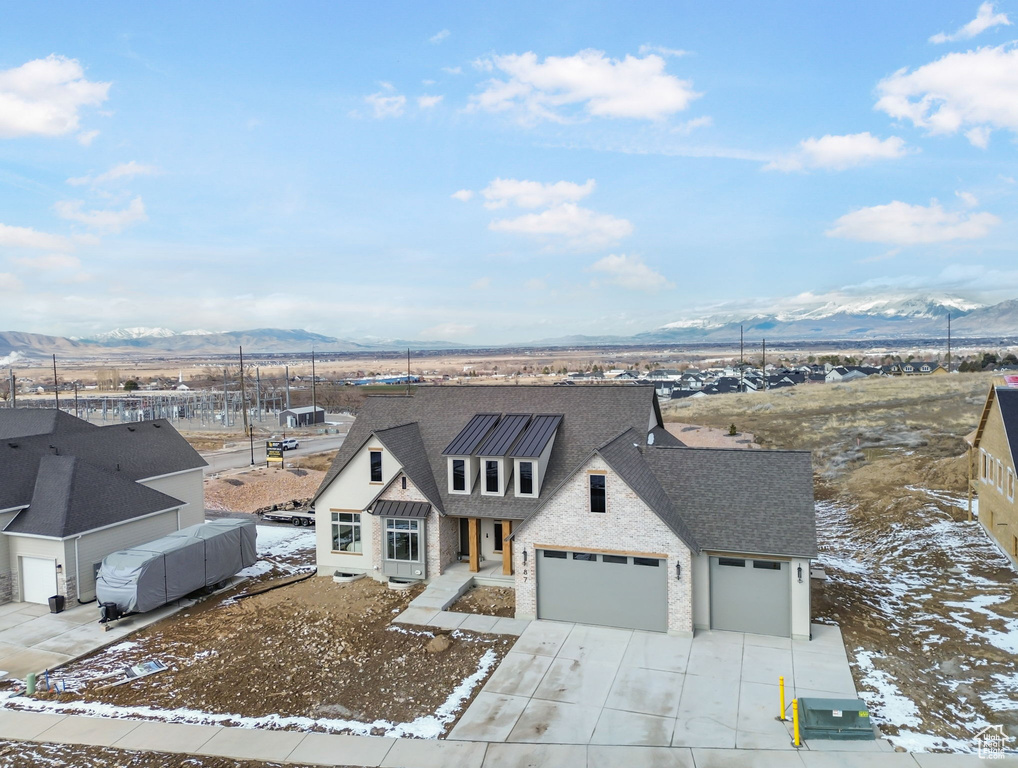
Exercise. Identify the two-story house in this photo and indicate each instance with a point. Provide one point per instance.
(598, 514)
(994, 449)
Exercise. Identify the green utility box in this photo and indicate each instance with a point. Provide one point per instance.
(836, 719)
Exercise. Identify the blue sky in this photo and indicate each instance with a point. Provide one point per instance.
(498, 172)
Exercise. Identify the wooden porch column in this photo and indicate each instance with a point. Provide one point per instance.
(507, 548)
(475, 545)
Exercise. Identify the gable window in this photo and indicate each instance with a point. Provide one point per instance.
(459, 475)
(346, 532)
(984, 464)
(403, 482)
(491, 476)
(402, 540)
(526, 478)
(376, 466)
(1000, 476)
(597, 493)
(1010, 484)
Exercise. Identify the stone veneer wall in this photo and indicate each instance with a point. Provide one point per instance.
(628, 525)
(440, 532)
(7, 584)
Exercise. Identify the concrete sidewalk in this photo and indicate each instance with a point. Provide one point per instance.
(327, 749)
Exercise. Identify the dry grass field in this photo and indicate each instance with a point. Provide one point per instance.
(927, 603)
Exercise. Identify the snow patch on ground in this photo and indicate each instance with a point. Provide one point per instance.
(893, 707)
(277, 544)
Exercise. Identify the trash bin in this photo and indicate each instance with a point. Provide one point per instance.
(56, 604)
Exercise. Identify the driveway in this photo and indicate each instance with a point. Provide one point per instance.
(576, 684)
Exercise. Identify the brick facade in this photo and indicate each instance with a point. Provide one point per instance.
(440, 532)
(628, 525)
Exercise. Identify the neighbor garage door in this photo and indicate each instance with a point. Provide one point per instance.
(610, 590)
(750, 595)
(38, 579)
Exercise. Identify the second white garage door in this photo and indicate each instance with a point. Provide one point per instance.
(609, 590)
(38, 579)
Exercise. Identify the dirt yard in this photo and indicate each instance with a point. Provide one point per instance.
(489, 601)
(261, 488)
(19, 754)
(311, 655)
(928, 605)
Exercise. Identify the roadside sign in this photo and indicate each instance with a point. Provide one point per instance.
(274, 451)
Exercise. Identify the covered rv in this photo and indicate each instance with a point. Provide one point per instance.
(150, 575)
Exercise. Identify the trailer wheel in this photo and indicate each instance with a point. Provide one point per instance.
(295, 520)
(305, 521)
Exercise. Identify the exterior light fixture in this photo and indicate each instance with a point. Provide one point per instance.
(800, 574)
(524, 557)
(678, 570)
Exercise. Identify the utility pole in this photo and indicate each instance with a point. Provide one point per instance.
(314, 397)
(56, 388)
(76, 399)
(226, 402)
(14, 394)
(764, 365)
(742, 360)
(948, 342)
(408, 371)
(258, 393)
(287, 369)
(243, 405)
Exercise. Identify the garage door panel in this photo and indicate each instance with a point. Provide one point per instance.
(750, 595)
(38, 579)
(604, 590)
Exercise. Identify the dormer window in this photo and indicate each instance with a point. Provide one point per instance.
(376, 466)
(459, 475)
(526, 478)
(491, 484)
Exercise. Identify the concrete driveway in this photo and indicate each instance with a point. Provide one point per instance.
(576, 684)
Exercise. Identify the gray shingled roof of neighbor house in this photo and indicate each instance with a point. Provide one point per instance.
(23, 422)
(591, 417)
(737, 500)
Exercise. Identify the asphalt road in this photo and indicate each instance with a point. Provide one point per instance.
(239, 458)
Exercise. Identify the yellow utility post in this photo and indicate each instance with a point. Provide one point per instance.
(796, 741)
(781, 688)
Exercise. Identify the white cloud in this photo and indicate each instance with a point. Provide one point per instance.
(102, 221)
(453, 70)
(43, 97)
(535, 284)
(427, 102)
(480, 284)
(837, 153)
(438, 37)
(984, 20)
(645, 49)
(122, 171)
(53, 262)
(446, 331)
(975, 89)
(581, 228)
(26, 237)
(630, 272)
(85, 138)
(533, 194)
(384, 103)
(463, 195)
(899, 223)
(9, 283)
(427, 83)
(588, 82)
(970, 200)
(686, 128)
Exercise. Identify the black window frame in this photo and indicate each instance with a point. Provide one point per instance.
(598, 496)
(652, 562)
(617, 559)
(375, 460)
(732, 562)
(555, 554)
(488, 476)
(526, 478)
(461, 475)
(499, 537)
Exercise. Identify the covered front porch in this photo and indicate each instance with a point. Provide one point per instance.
(485, 548)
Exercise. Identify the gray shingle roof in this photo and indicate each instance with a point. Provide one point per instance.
(405, 444)
(23, 422)
(591, 417)
(72, 496)
(756, 502)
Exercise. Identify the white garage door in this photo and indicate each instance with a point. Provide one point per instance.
(38, 579)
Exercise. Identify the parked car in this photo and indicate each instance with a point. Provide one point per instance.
(289, 444)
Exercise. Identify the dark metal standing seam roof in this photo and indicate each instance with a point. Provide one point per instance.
(1007, 400)
(500, 442)
(471, 435)
(538, 434)
(404, 509)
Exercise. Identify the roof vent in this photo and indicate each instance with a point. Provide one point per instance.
(156, 425)
(55, 451)
(130, 429)
(650, 438)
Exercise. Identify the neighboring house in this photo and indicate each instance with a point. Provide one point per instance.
(307, 416)
(597, 513)
(71, 493)
(916, 369)
(995, 447)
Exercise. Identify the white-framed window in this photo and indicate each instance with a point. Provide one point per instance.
(527, 478)
(1000, 476)
(459, 475)
(598, 492)
(491, 480)
(984, 463)
(403, 540)
(1010, 484)
(376, 466)
(499, 535)
(346, 533)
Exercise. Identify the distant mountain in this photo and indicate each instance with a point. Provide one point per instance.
(121, 334)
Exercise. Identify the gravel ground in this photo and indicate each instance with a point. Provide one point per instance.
(19, 754)
(488, 601)
(251, 491)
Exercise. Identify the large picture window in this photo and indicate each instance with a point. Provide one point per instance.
(598, 502)
(346, 532)
(491, 476)
(459, 474)
(376, 466)
(403, 540)
(527, 478)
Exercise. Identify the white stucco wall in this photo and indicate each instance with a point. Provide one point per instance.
(628, 526)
